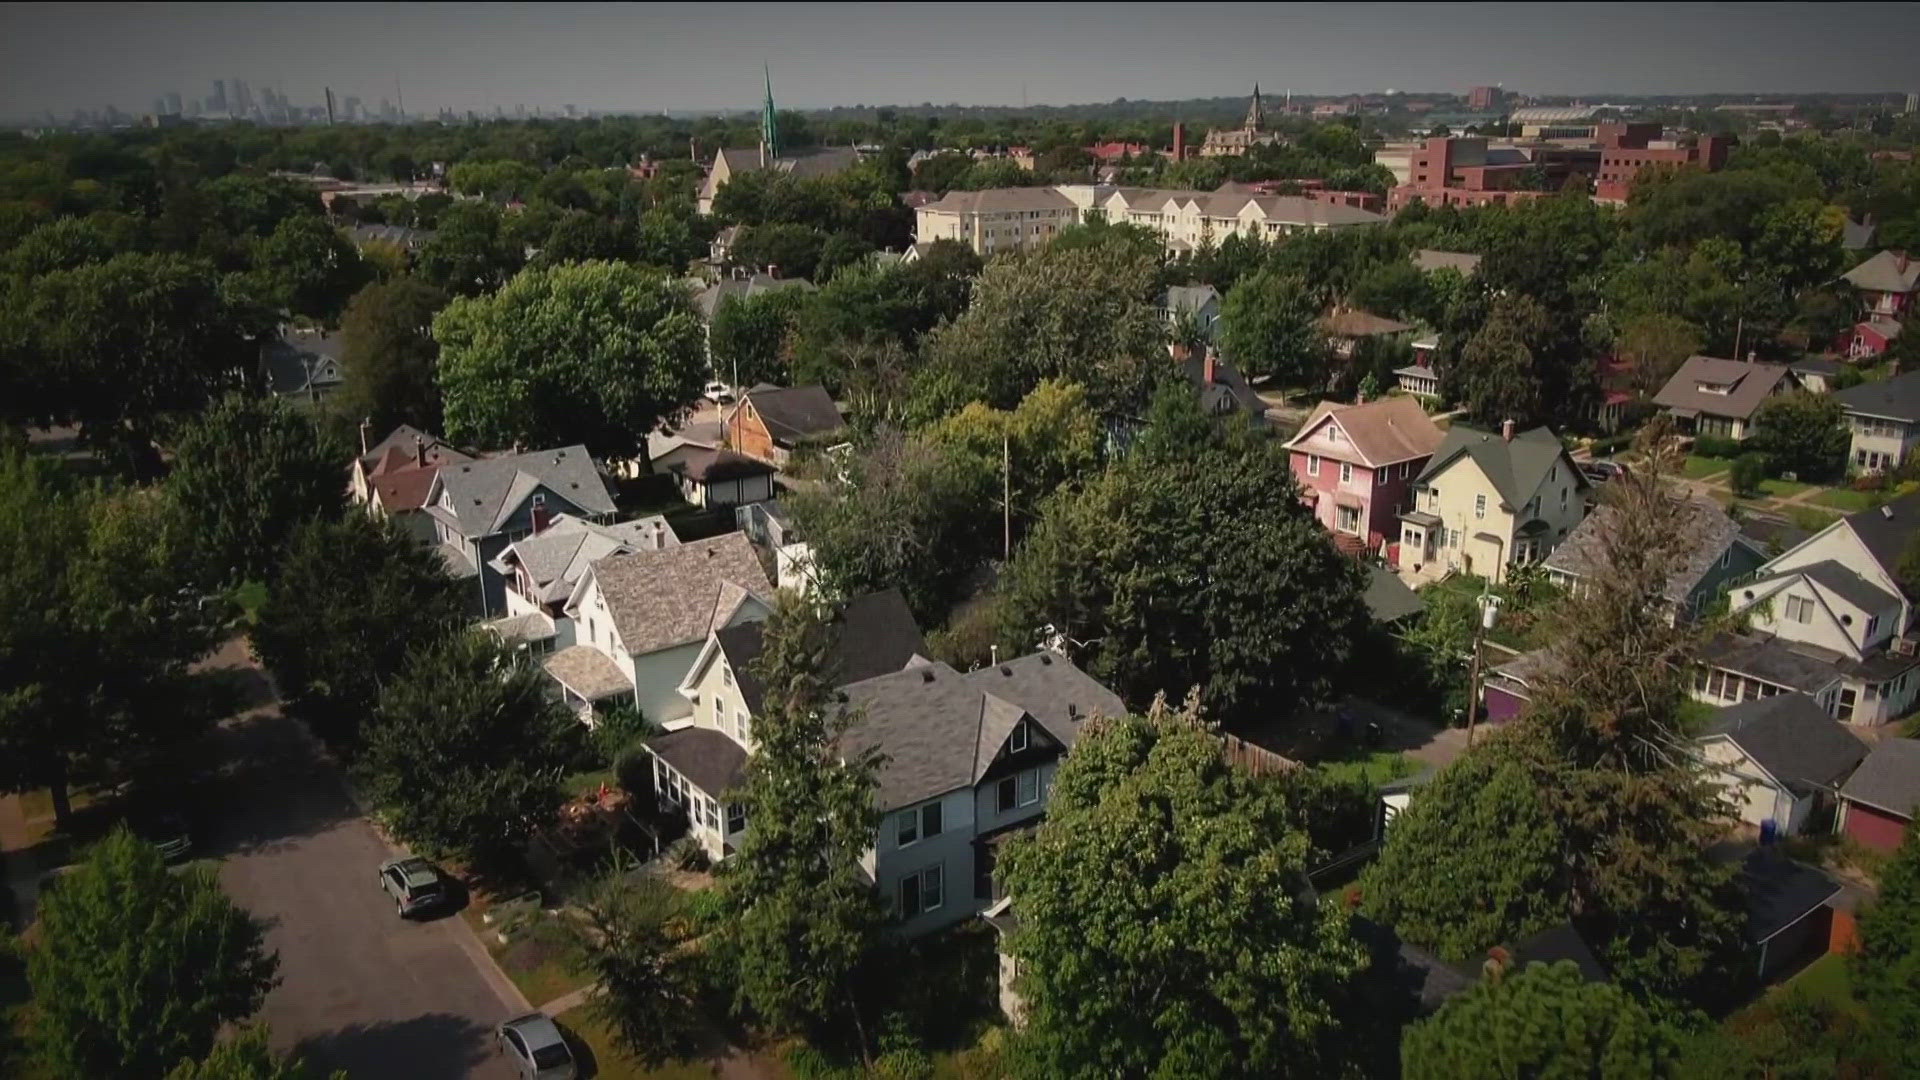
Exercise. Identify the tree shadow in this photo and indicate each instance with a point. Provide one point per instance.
(429, 1047)
(274, 785)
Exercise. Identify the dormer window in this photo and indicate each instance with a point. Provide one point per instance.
(1722, 389)
(1019, 740)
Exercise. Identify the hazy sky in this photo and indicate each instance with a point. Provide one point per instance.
(704, 56)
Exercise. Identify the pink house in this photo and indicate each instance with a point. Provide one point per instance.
(1356, 464)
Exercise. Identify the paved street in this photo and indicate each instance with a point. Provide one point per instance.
(361, 990)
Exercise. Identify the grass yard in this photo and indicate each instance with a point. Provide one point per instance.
(1373, 769)
(535, 957)
(1782, 489)
(1699, 468)
(601, 1059)
(1845, 500)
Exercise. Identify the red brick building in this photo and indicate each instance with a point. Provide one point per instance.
(1466, 171)
(1626, 149)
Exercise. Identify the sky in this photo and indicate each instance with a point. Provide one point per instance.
(651, 58)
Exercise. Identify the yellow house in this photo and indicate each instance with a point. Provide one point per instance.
(1487, 501)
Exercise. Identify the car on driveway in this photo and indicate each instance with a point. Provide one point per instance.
(414, 883)
(1599, 472)
(534, 1044)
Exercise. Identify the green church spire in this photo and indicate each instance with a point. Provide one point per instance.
(769, 130)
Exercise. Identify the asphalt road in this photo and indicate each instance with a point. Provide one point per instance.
(361, 989)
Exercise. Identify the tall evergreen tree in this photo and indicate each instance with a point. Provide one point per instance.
(801, 919)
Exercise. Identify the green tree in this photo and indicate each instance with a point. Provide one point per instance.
(105, 622)
(1805, 434)
(307, 267)
(595, 353)
(350, 597)
(1886, 970)
(1196, 566)
(1500, 375)
(631, 940)
(580, 236)
(786, 249)
(246, 1056)
(749, 338)
(1269, 326)
(800, 916)
(1749, 470)
(1051, 440)
(247, 473)
(1543, 1021)
(469, 252)
(466, 750)
(390, 358)
(1241, 972)
(1474, 861)
(137, 967)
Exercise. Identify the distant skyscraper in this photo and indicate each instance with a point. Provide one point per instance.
(174, 107)
(1485, 98)
(1913, 103)
(160, 105)
(218, 102)
(242, 97)
(350, 109)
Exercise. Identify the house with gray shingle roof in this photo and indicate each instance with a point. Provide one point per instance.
(1780, 759)
(1717, 554)
(1887, 282)
(1715, 397)
(1883, 420)
(303, 366)
(1489, 500)
(640, 619)
(542, 570)
(479, 507)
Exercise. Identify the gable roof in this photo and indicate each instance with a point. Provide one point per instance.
(1889, 779)
(708, 300)
(1385, 431)
(869, 636)
(931, 722)
(1583, 552)
(1791, 737)
(1886, 530)
(676, 595)
(557, 556)
(1847, 585)
(1749, 384)
(1897, 398)
(1886, 271)
(303, 361)
(393, 468)
(1516, 467)
(792, 413)
(1188, 297)
(1354, 323)
(486, 493)
(1428, 259)
(1227, 391)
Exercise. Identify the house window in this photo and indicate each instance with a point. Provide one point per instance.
(912, 826)
(1873, 623)
(726, 675)
(1018, 791)
(1018, 741)
(1406, 467)
(1479, 506)
(736, 818)
(922, 891)
(1348, 519)
(1346, 472)
(1313, 464)
(1848, 698)
(745, 723)
(1799, 609)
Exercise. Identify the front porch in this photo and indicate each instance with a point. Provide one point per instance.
(586, 676)
(694, 768)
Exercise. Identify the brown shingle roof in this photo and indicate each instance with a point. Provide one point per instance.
(659, 599)
(1748, 384)
(793, 413)
(588, 672)
(1886, 271)
(1382, 432)
(1354, 323)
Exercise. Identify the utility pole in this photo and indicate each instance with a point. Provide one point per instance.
(1489, 606)
(1006, 497)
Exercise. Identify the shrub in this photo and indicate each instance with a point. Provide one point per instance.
(1748, 471)
(1712, 446)
(616, 728)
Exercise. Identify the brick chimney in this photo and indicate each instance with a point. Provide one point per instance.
(1206, 369)
(419, 452)
(1179, 141)
(1506, 430)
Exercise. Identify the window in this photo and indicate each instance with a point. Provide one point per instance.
(920, 823)
(1346, 472)
(1347, 519)
(1406, 469)
(1479, 506)
(922, 891)
(1563, 498)
(1873, 624)
(1019, 740)
(736, 818)
(1017, 791)
(1313, 464)
(1799, 609)
(740, 725)
(726, 675)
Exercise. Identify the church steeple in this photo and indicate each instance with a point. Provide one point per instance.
(769, 131)
(1256, 117)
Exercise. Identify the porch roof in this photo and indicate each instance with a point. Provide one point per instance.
(1421, 518)
(708, 759)
(587, 672)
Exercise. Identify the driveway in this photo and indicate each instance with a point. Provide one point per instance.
(361, 989)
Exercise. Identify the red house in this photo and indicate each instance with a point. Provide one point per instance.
(1879, 799)
(1356, 464)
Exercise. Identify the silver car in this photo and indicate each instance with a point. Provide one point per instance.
(537, 1048)
(414, 885)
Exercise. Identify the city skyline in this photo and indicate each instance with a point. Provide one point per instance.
(62, 57)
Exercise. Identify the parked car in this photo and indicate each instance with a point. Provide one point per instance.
(537, 1048)
(1599, 472)
(719, 393)
(414, 883)
(167, 831)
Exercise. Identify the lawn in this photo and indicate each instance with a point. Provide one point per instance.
(1373, 769)
(1826, 979)
(1845, 500)
(535, 956)
(1699, 468)
(1781, 489)
(600, 1058)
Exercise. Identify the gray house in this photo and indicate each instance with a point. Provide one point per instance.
(1200, 301)
(480, 507)
(303, 365)
(1720, 553)
(1884, 419)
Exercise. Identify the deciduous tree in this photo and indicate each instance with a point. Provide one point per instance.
(1268, 326)
(1545, 1020)
(597, 353)
(307, 268)
(750, 336)
(1165, 927)
(246, 1056)
(1887, 968)
(137, 967)
(390, 359)
(631, 939)
(1805, 434)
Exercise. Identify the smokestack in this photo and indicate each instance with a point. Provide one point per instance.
(1506, 430)
(1179, 141)
(419, 452)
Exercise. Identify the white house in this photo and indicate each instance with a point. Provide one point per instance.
(641, 619)
(542, 570)
(1781, 760)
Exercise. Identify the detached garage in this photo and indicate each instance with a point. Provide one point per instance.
(1880, 798)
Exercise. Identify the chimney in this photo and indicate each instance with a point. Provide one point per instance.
(1179, 141)
(1360, 396)
(773, 271)
(1506, 430)
(419, 452)
(1900, 260)
(366, 429)
(1206, 369)
(994, 652)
